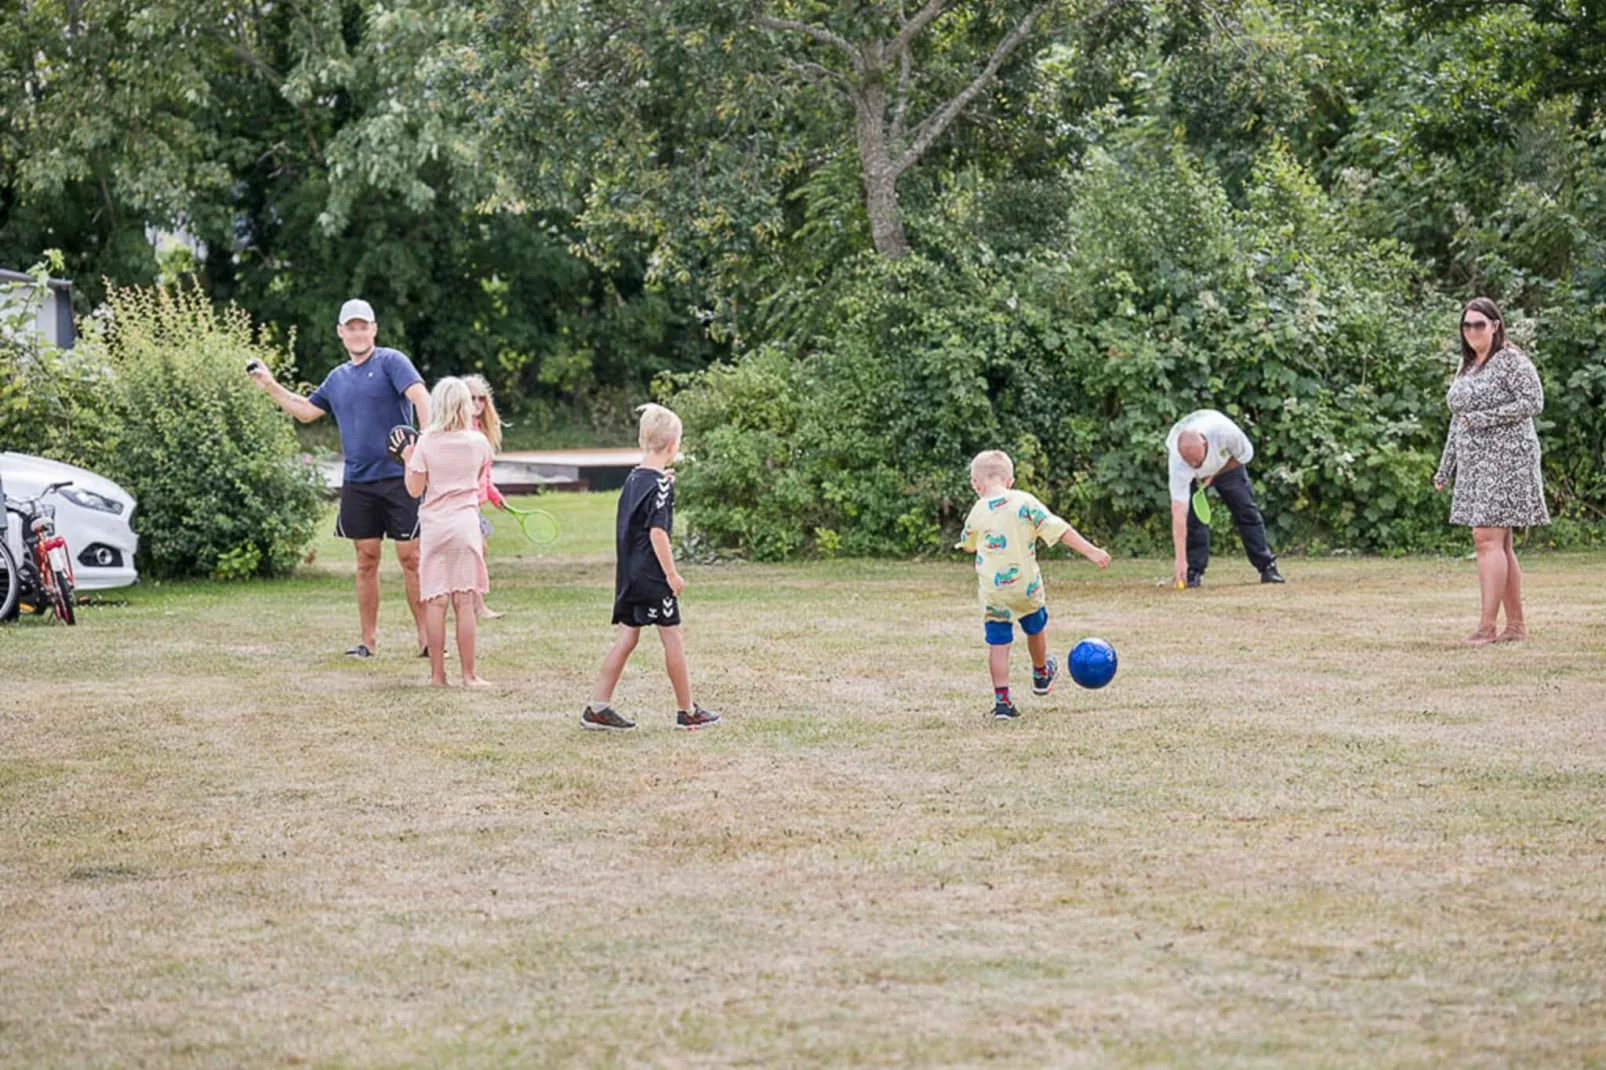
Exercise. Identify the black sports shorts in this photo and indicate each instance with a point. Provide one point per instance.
(377, 510)
(664, 612)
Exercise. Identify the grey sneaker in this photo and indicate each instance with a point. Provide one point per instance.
(697, 718)
(604, 718)
(1042, 685)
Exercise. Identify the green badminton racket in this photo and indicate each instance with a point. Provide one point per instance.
(539, 526)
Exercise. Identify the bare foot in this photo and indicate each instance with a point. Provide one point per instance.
(1518, 634)
(477, 683)
(1480, 638)
(436, 682)
(489, 614)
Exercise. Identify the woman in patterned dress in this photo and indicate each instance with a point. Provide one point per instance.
(1492, 455)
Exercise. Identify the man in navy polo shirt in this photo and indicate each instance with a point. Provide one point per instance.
(368, 395)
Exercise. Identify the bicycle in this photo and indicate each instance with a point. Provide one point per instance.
(44, 576)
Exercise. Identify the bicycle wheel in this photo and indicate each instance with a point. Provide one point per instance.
(10, 583)
(61, 597)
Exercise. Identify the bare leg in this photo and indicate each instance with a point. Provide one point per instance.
(675, 662)
(1037, 647)
(407, 554)
(998, 664)
(481, 610)
(1490, 544)
(463, 610)
(435, 638)
(368, 590)
(613, 665)
(1516, 626)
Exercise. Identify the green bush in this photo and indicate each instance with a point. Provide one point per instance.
(214, 466)
(53, 402)
(1165, 298)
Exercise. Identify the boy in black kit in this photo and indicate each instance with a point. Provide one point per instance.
(647, 585)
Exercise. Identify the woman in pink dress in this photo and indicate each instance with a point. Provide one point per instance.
(446, 466)
(488, 423)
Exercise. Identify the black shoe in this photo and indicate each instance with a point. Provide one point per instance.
(1271, 575)
(1042, 685)
(1004, 711)
(359, 651)
(604, 718)
(697, 718)
(1196, 579)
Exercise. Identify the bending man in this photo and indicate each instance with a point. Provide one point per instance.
(375, 390)
(1206, 449)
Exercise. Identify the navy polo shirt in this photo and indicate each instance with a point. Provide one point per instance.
(367, 400)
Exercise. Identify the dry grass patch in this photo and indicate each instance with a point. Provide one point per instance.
(1302, 828)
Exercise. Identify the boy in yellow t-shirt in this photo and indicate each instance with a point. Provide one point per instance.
(1002, 531)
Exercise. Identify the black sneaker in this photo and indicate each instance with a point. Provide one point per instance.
(1004, 711)
(1271, 575)
(604, 718)
(1042, 685)
(697, 718)
(1196, 579)
(359, 651)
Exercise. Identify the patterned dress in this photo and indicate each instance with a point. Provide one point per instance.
(1492, 449)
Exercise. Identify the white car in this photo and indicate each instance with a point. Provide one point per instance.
(93, 515)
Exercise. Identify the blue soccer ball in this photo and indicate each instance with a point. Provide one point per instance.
(1092, 663)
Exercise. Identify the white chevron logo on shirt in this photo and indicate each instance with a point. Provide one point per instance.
(663, 492)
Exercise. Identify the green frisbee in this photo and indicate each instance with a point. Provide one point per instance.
(1201, 506)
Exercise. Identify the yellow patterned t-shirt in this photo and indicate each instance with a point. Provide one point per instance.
(1002, 531)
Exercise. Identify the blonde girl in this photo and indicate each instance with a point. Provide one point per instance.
(447, 466)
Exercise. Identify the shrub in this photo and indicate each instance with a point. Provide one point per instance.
(53, 402)
(211, 463)
(1165, 299)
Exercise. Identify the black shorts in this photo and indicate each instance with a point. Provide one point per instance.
(377, 510)
(663, 612)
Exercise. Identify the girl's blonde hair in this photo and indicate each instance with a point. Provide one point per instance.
(660, 428)
(451, 408)
(490, 422)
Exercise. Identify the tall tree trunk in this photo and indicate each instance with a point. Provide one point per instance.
(876, 169)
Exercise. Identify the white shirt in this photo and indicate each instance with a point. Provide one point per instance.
(1224, 441)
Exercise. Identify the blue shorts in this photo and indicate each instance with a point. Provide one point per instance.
(1002, 632)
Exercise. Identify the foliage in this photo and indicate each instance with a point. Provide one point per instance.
(52, 401)
(1166, 299)
(221, 488)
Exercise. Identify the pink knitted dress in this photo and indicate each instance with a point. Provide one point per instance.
(450, 557)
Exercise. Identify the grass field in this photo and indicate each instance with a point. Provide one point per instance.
(1303, 827)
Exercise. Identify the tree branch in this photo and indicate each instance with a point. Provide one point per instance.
(934, 124)
(915, 26)
(819, 33)
(895, 134)
(820, 76)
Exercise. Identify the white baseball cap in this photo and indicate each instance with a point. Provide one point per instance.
(356, 309)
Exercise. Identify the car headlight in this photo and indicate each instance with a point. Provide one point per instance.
(88, 499)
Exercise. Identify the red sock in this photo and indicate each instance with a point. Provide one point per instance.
(1001, 694)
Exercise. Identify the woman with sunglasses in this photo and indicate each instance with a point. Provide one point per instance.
(1492, 455)
(488, 423)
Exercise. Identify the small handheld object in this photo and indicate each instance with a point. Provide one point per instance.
(252, 365)
(1201, 506)
(538, 525)
(400, 437)
(1092, 663)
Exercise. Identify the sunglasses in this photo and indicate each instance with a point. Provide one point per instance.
(480, 397)
(1475, 325)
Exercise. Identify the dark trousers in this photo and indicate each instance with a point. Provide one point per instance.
(1233, 486)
